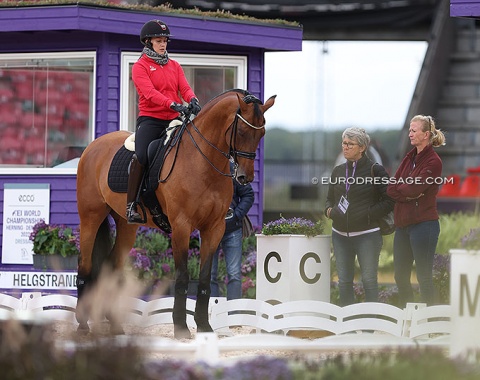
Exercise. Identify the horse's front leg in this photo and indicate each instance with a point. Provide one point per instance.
(203, 297)
(210, 240)
(179, 315)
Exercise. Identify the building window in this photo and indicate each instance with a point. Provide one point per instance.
(209, 76)
(46, 108)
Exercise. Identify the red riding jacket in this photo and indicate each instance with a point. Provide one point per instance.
(158, 86)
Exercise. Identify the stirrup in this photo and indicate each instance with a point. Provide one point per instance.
(133, 217)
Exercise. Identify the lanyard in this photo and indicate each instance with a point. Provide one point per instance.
(347, 184)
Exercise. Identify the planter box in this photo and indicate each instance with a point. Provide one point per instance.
(465, 301)
(55, 262)
(293, 268)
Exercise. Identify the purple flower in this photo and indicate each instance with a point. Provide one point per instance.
(471, 240)
(166, 268)
(54, 239)
(295, 226)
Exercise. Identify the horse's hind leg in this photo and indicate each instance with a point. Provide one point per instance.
(92, 231)
(125, 239)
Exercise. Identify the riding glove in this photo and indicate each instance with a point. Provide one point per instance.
(179, 107)
(194, 106)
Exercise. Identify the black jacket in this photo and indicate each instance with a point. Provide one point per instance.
(368, 201)
(242, 201)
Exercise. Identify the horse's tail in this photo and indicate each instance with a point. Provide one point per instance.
(101, 248)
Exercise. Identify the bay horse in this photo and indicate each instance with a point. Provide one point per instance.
(194, 191)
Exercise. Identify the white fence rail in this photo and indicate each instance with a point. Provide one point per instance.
(358, 326)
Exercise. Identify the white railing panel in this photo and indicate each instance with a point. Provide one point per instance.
(431, 320)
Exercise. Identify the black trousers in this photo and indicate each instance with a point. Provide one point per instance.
(148, 129)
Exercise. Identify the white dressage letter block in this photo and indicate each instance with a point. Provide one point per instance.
(465, 301)
(293, 268)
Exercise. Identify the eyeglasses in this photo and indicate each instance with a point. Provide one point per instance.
(348, 145)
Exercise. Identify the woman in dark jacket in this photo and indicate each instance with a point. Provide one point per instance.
(356, 200)
(414, 189)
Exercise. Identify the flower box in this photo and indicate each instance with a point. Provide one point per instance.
(55, 262)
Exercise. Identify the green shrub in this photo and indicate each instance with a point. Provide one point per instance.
(30, 353)
(406, 364)
(452, 228)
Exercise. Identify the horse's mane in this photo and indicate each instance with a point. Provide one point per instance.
(239, 90)
(247, 98)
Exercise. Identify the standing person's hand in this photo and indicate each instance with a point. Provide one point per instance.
(194, 106)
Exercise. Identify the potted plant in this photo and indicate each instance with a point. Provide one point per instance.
(55, 246)
(152, 260)
(293, 261)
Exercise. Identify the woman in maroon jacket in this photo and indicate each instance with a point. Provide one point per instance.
(414, 189)
(160, 81)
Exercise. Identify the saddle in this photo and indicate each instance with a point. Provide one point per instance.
(119, 169)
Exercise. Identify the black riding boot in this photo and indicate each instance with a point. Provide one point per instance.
(134, 182)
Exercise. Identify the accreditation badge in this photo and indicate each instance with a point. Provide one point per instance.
(343, 204)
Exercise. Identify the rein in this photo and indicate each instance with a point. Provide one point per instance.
(233, 153)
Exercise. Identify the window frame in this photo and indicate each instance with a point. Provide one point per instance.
(54, 55)
(128, 58)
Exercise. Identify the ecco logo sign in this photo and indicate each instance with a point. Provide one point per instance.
(26, 198)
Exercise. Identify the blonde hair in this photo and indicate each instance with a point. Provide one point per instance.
(437, 137)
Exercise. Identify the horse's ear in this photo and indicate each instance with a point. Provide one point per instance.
(270, 102)
(242, 104)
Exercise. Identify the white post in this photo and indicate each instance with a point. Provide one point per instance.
(293, 268)
(207, 348)
(465, 301)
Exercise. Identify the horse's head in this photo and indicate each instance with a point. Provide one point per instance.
(247, 130)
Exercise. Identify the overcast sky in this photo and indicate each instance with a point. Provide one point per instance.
(340, 84)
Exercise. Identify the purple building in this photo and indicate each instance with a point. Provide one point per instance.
(65, 79)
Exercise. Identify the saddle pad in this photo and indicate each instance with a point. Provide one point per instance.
(118, 172)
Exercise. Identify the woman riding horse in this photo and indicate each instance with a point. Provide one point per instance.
(159, 80)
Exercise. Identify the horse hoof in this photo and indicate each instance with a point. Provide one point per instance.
(181, 333)
(205, 328)
(83, 329)
(117, 330)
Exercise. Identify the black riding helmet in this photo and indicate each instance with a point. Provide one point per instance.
(154, 28)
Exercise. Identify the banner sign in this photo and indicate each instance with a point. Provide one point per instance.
(23, 206)
(38, 280)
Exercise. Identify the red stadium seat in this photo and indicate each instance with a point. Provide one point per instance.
(470, 186)
(473, 170)
(451, 188)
